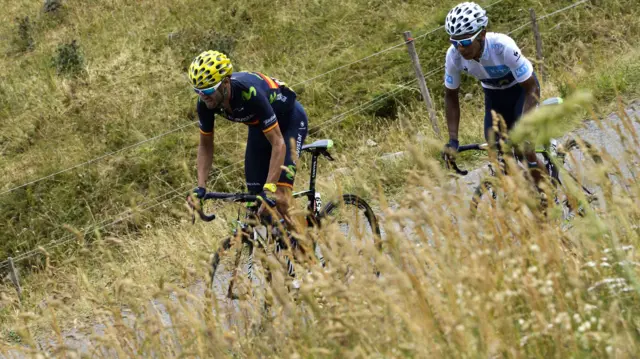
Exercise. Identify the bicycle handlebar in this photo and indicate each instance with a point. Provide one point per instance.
(473, 147)
(230, 197)
(450, 161)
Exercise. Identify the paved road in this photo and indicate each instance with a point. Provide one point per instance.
(606, 140)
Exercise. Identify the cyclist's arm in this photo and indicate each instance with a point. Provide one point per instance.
(522, 70)
(532, 91)
(205, 148)
(278, 153)
(205, 158)
(452, 111)
(451, 93)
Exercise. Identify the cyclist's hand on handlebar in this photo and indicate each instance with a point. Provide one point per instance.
(449, 152)
(281, 202)
(198, 193)
(263, 205)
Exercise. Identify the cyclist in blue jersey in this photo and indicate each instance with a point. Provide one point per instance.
(277, 125)
(510, 85)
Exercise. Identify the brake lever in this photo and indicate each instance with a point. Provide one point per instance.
(198, 209)
(451, 163)
(270, 202)
(458, 170)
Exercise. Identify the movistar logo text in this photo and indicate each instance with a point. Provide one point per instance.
(246, 95)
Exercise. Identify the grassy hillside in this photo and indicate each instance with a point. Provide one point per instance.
(508, 282)
(94, 77)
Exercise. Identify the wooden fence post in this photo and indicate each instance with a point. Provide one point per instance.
(536, 34)
(421, 81)
(13, 274)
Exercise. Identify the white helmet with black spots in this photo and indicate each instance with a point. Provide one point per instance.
(466, 18)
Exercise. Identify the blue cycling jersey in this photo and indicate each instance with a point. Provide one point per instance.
(256, 100)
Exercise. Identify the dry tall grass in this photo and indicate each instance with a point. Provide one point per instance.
(506, 282)
(129, 85)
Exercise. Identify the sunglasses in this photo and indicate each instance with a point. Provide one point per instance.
(208, 91)
(464, 42)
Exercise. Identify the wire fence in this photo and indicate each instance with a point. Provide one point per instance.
(222, 172)
(138, 144)
(332, 121)
(109, 154)
(179, 191)
(528, 23)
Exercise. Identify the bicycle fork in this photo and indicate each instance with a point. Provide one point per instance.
(280, 245)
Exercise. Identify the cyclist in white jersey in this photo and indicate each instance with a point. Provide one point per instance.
(510, 85)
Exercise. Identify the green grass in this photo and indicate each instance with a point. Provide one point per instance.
(131, 85)
(506, 282)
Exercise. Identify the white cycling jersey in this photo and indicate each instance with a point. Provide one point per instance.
(501, 65)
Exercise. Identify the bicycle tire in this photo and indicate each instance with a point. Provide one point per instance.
(223, 285)
(353, 200)
(576, 170)
(348, 205)
(571, 144)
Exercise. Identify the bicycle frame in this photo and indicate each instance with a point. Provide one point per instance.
(547, 154)
(314, 203)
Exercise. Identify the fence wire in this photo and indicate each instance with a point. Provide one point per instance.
(334, 120)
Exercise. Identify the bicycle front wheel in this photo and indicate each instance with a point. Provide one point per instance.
(228, 267)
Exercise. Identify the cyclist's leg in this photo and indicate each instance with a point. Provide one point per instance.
(501, 102)
(256, 160)
(294, 133)
(536, 167)
(488, 116)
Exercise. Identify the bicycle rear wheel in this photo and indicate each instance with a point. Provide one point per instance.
(580, 159)
(356, 221)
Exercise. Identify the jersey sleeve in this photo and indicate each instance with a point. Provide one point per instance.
(259, 102)
(520, 66)
(206, 118)
(451, 70)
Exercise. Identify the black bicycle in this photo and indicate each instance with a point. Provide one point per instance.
(352, 214)
(553, 156)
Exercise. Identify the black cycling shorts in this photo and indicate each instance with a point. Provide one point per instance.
(507, 102)
(294, 127)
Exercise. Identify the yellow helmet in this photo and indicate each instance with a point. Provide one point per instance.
(209, 68)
